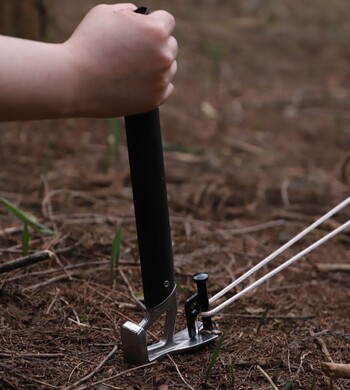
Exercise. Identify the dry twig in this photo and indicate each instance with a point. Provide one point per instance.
(26, 377)
(47, 282)
(31, 355)
(95, 371)
(323, 346)
(178, 371)
(253, 229)
(329, 267)
(266, 375)
(47, 311)
(336, 370)
(134, 297)
(117, 375)
(11, 230)
(25, 261)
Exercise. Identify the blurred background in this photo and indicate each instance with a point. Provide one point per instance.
(257, 145)
(261, 83)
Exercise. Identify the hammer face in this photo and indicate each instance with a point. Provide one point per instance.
(137, 352)
(134, 336)
(134, 343)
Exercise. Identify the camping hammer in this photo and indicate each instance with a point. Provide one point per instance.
(147, 173)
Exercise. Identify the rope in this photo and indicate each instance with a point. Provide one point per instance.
(282, 266)
(263, 262)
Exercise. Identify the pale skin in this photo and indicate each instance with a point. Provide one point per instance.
(116, 63)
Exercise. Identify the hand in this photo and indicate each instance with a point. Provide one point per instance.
(122, 62)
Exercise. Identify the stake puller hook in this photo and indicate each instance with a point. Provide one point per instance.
(144, 143)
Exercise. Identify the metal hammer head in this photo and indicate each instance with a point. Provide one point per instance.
(134, 338)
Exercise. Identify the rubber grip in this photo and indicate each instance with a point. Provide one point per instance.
(151, 206)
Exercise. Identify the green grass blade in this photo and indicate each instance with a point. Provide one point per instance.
(313, 383)
(168, 147)
(289, 385)
(113, 144)
(232, 374)
(25, 240)
(115, 132)
(25, 218)
(262, 320)
(182, 289)
(115, 252)
(213, 359)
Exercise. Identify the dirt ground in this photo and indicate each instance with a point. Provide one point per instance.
(257, 145)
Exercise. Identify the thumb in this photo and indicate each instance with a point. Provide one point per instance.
(123, 7)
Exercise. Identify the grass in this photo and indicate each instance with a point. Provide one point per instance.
(25, 218)
(313, 383)
(25, 240)
(262, 320)
(113, 143)
(215, 50)
(289, 385)
(115, 252)
(168, 147)
(232, 374)
(213, 359)
(28, 221)
(115, 134)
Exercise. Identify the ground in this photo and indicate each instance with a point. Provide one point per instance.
(257, 144)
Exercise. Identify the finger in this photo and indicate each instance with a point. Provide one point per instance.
(167, 93)
(166, 18)
(172, 43)
(123, 7)
(172, 72)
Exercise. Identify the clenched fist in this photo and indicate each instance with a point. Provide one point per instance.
(116, 62)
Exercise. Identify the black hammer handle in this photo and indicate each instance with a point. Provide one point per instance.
(151, 204)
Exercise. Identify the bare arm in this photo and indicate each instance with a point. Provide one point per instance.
(115, 63)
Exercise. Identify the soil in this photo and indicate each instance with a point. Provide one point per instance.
(257, 140)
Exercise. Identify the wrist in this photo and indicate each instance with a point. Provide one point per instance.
(82, 95)
(70, 99)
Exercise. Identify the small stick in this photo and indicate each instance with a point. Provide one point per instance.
(25, 261)
(47, 311)
(88, 326)
(32, 355)
(92, 373)
(336, 370)
(10, 230)
(289, 317)
(54, 270)
(58, 261)
(179, 372)
(47, 282)
(254, 228)
(266, 375)
(26, 377)
(119, 374)
(323, 346)
(337, 267)
(134, 297)
(49, 213)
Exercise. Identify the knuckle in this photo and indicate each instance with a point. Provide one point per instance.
(173, 21)
(100, 8)
(174, 44)
(158, 31)
(166, 59)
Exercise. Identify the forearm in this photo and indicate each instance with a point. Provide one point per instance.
(36, 81)
(116, 63)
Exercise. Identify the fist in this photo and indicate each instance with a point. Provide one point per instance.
(122, 62)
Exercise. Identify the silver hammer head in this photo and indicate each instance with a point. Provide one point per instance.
(134, 338)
